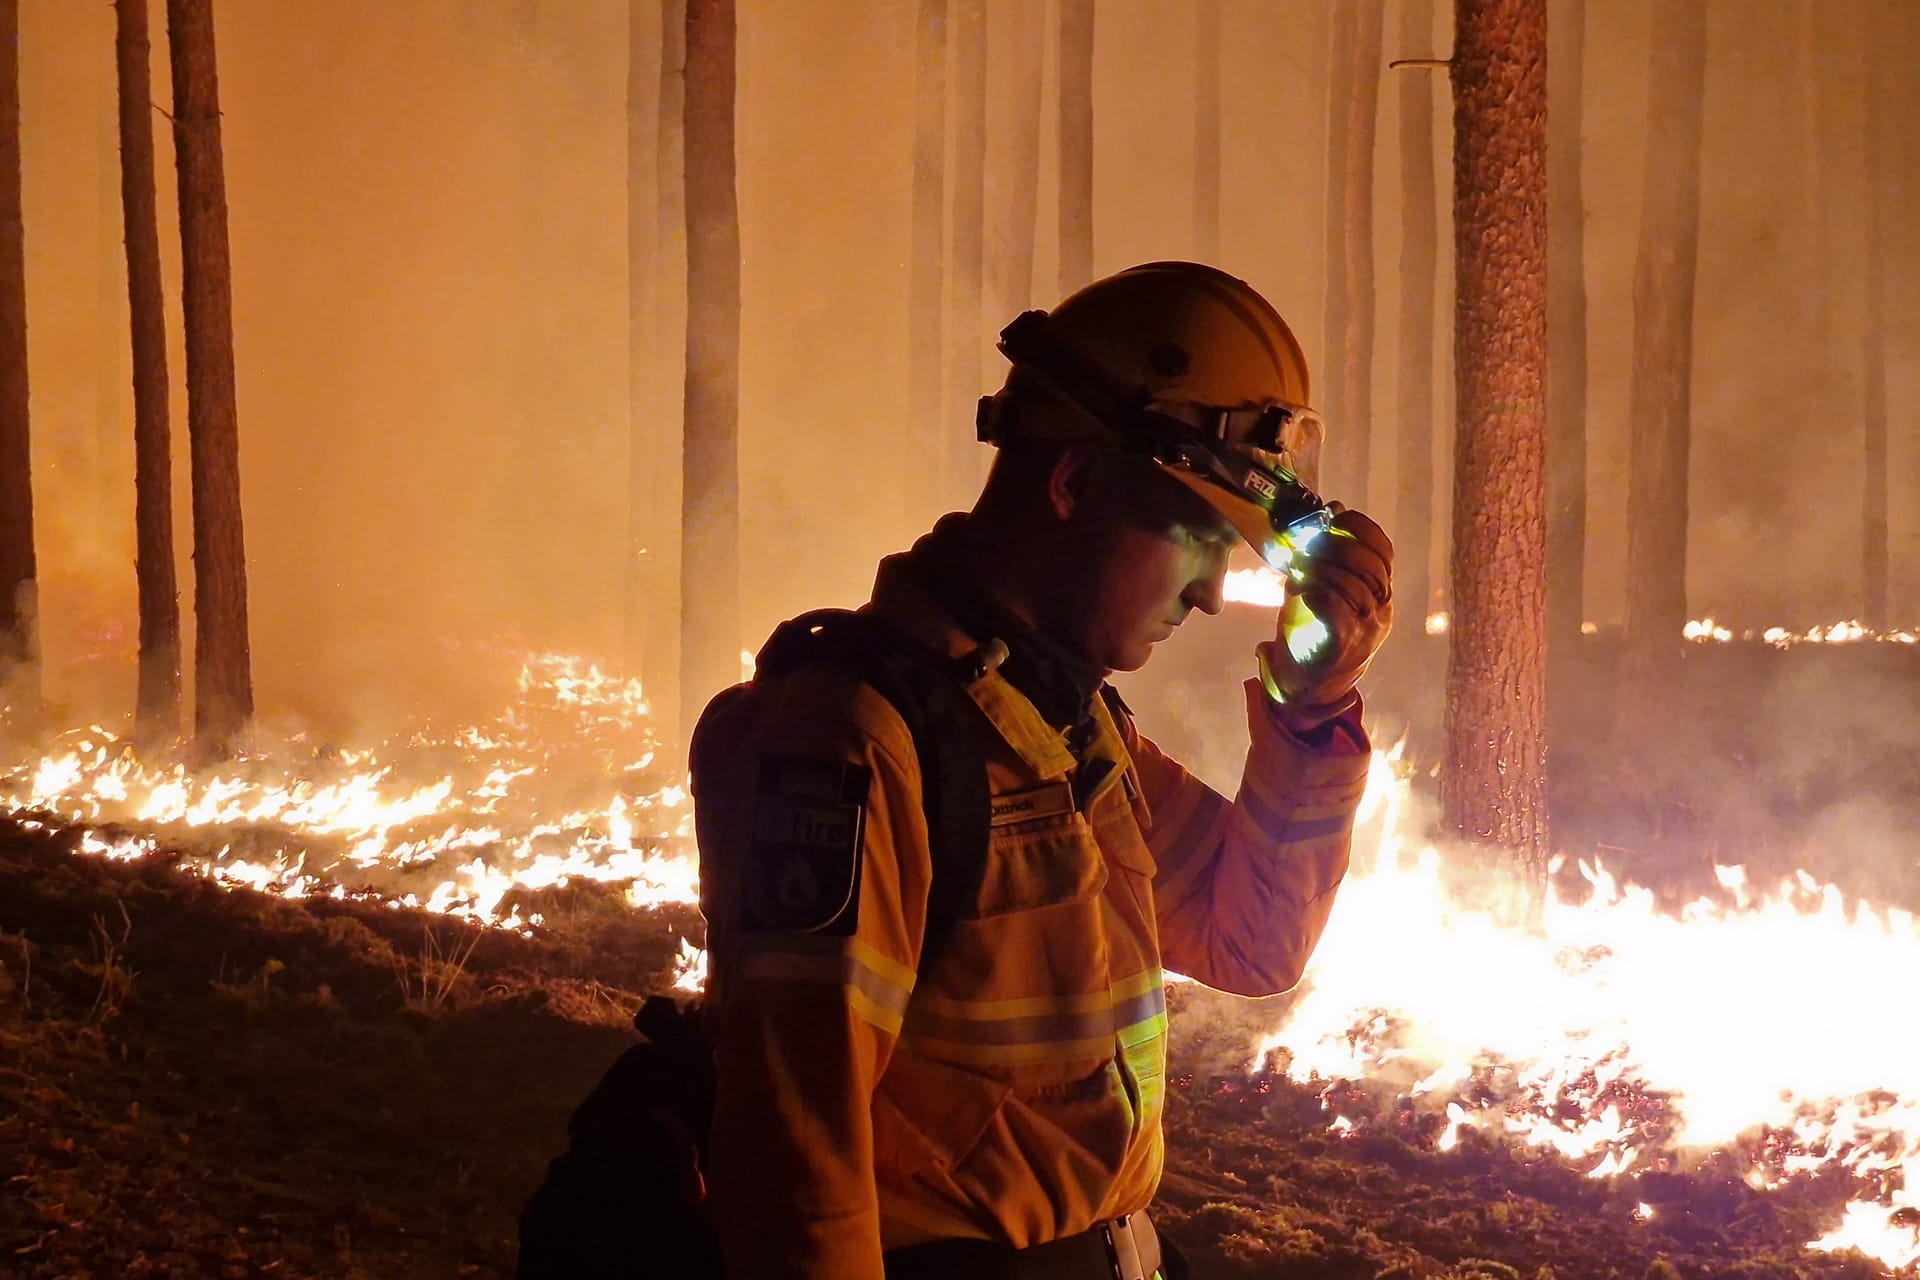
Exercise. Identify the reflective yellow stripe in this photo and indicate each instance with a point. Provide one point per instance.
(870, 980)
(1132, 1012)
(900, 975)
(885, 1019)
(1143, 1032)
(1042, 1006)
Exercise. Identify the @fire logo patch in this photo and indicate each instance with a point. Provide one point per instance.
(803, 864)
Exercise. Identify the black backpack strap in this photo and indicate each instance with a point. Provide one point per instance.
(924, 688)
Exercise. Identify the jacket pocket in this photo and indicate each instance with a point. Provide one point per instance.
(928, 1114)
(1041, 864)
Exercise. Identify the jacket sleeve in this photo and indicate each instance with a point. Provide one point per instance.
(1243, 888)
(803, 1020)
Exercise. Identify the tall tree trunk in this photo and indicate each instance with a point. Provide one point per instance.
(1663, 280)
(668, 366)
(1341, 38)
(1354, 430)
(1566, 341)
(1493, 779)
(965, 358)
(1206, 131)
(931, 418)
(19, 638)
(1419, 276)
(223, 673)
(1873, 500)
(1016, 79)
(110, 344)
(710, 535)
(1076, 144)
(157, 705)
(641, 586)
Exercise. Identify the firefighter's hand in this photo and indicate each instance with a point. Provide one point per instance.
(1338, 610)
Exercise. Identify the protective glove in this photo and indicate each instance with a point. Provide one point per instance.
(1338, 610)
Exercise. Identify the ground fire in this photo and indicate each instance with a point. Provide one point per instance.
(1753, 1024)
(1470, 431)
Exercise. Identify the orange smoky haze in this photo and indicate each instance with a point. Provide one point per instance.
(429, 211)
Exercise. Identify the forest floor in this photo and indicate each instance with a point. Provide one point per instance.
(204, 1082)
(198, 1081)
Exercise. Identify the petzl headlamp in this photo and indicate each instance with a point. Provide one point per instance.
(1237, 458)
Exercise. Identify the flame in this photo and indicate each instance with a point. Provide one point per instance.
(1617, 1034)
(1621, 1035)
(1848, 632)
(1263, 587)
(1267, 589)
(448, 822)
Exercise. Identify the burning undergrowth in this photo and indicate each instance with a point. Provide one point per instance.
(564, 783)
(1629, 1037)
(1716, 1074)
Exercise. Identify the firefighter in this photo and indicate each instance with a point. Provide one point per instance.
(997, 1111)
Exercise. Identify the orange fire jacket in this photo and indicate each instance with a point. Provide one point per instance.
(1014, 1091)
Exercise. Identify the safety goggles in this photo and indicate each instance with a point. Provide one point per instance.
(1251, 455)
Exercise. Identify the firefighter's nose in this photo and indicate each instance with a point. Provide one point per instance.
(1207, 592)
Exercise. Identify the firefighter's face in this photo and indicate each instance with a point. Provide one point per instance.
(1143, 553)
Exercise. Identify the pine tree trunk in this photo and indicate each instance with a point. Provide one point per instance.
(1016, 79)
(223, 675)
(1419, 276)
(968, 196)
(668, 399)
(1076, 144)
(110, 346)
(1663, 282)
(1493, 776)
(157, 713)
(710, 537)
(19, 638)
(1206, 131)
(1874, 498)
(1823, 353)
(931, 418)
(1353, 432)
(1341, 38)
(641, 592)
(1566, 343)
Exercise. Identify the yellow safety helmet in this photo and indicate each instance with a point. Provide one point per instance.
(1186, 365)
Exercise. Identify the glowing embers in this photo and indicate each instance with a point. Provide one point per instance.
(561, 784)
(1765, 1021)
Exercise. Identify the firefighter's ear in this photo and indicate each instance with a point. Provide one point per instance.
(1067, 482)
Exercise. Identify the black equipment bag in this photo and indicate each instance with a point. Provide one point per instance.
(626, 1199)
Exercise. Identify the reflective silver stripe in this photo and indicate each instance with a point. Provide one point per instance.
(1124, 1013)
(1286, 825)
(879, 998)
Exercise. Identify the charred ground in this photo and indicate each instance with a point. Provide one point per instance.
(207, 1082)
(198, 1082)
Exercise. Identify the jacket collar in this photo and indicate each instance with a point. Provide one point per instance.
(925, 593)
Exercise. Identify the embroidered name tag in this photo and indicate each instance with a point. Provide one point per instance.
(1048, 801)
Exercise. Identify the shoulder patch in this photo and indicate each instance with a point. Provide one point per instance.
(803, 865)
